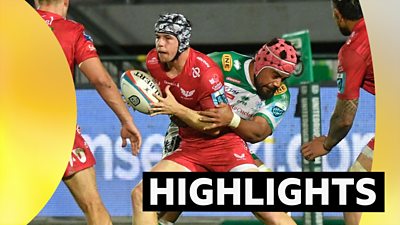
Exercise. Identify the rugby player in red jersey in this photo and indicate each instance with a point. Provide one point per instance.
(197, 83)
(258, 97)
(79, 50)
(355, 71)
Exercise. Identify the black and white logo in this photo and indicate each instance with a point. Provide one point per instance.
(134, 100)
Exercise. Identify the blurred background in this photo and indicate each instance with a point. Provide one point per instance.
(123, 33)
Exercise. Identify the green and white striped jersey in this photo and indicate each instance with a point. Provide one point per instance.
(242, 94)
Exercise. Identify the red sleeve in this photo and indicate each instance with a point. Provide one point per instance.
(212, 89)
(84, 47)
(352, 75)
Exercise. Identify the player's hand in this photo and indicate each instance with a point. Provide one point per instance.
(218, 117)
(130, 131)
(167, 105)
(314, 148)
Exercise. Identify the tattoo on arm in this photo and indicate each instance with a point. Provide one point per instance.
(341, 121)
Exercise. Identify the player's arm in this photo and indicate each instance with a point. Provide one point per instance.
(341, 122)
(254, 130)
(169, 106)
(101, 80)
(346, 107)
(345, 111)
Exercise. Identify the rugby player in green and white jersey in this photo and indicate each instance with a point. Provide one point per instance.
(255, 90)
(258, 99)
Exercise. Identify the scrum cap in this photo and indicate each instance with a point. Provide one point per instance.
(175, 24)
(279, 55)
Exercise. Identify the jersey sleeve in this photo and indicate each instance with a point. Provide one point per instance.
(212, 89)
(275, 108)
(351, 74)
(84, 46)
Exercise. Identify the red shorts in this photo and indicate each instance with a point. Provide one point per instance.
(81, 156)
(226, 157)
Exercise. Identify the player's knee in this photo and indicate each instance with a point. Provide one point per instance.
(137, 194)
(92, 206)
(272, 218)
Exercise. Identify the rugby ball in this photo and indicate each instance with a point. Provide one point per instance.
(138, 88)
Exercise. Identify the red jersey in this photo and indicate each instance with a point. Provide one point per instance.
(77, 45)
(199, 86)
(355, 69)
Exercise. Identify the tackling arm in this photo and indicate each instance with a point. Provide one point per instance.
(169, 106)
(254, 130)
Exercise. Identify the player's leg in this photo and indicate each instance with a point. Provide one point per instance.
(168, 218)
(363, 163)
(274, 218)
(80, 178)
(150, 218)
(260, 164)
(83, 187)
(270, 218)
(171, 143)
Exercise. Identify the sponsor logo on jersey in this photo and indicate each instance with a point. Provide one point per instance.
(203, 61)
(282, 89)
(229, 95)
(77, 154)
(277, 111)
(341, 82)
(196, 72)
(243, 113)
(171, 83)
(237, 64)
(153, 60)
(243, 100)
(214, 79)
(217, 86)
(187, 94)
(231, 90)
(92, 48)
(49, 21)
(233, 80)
(240, 157)
(226, 62)
(219, 97)
(87, 37)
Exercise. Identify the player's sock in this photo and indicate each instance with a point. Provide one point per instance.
(164, 222)
(263, 168)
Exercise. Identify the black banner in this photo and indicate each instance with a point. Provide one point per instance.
(256, 191)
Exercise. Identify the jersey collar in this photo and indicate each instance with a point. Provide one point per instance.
(247, 73)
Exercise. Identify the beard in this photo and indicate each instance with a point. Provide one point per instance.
(345, 31)
(264, 92)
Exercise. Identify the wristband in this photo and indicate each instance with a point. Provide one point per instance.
(235, 121)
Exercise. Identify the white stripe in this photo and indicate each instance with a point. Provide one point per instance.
(279, 57)
(367, 151)
(243, 167)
